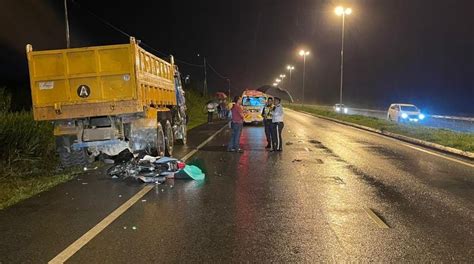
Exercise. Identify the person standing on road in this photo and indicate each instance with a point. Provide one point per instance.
(267, 121)
(236, 125)
(211, 108)
(277, 121)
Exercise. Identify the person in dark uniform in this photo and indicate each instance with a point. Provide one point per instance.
(277, 120)
(267, 121)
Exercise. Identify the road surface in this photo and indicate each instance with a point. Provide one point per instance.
(335, 194)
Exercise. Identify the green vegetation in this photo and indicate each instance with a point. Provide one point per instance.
(458, 140)
(195, 103)
(28, 160)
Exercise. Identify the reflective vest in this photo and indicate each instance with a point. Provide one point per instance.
(268, 112)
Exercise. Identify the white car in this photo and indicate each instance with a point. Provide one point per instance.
(340, 108)
(404, 113)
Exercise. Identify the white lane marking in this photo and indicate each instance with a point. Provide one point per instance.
(400, 142)
(89, 235)
(439, 155)
(379, 222)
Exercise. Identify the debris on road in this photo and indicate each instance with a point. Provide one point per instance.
(289, 143)
(297, 160)
(88, 168)
(147, 169)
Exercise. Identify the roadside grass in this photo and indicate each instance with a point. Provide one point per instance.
(445, 137)
(28, 161)
(195, 103)
(16, 189)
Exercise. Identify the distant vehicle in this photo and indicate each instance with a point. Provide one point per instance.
(340, 108)
(404, 113)
(253, 102)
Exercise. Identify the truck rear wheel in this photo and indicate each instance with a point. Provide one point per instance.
(169, 138)
(68, 156)
(71, 158)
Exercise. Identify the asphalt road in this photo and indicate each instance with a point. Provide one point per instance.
(326, 197)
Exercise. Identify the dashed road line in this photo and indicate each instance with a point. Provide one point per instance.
(97, 229)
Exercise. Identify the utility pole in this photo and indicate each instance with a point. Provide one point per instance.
(205, 77)
(228, 81)
(68, 41)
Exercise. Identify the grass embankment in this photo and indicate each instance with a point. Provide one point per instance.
(195, 103)
(449, 138)
(28, 162)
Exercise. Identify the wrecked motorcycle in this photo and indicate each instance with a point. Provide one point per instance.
(147, 169)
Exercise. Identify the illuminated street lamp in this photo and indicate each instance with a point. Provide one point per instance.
(277, 80)
(342, 11)
(275, 84)
(303, 53)
(290, 68)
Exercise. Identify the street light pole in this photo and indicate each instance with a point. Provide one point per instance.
(68, 41)
(341, 11)
(342, 58)
(290, 68)
(304, 71)
(304, 53)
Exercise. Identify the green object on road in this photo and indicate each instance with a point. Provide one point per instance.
(191, 172)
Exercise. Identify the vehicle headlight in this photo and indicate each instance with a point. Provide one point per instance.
(338, 109)
(404, 115)
(345, 110)
(421, 116)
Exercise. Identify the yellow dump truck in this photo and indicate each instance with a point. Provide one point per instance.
(106, 99)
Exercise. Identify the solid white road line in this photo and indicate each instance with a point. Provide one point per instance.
(89, 235)
(400, 142)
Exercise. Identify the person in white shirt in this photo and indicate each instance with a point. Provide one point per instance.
(277, 121)
(211, 108)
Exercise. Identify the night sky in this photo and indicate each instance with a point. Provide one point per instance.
(415, 51)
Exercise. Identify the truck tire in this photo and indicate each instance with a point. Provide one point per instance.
(160, 141)
(71, 158)
(169, 138)
(183, 130)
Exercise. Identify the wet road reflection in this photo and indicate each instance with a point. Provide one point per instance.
(305, 204)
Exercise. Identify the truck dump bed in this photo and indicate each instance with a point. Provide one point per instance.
(98, 81)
